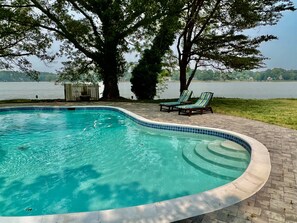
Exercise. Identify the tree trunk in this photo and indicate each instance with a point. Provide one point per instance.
(111, 89)
(183, 64)
(110, 71)
(192, 74)
(183, 77)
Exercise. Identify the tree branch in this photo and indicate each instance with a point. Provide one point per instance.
(15, 54)
(16, 6)
(95, 31)
(207, 20)
(193, 73)
(136, 26)
(192, 14)
(64, 32)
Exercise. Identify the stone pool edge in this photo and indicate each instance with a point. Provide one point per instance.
(249, 183)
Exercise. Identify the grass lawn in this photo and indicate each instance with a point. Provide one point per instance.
(282, 112)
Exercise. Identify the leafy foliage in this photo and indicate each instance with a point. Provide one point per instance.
(145, 74)
(21, 38)
(92, 33)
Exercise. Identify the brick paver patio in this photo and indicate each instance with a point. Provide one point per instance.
(277, 200)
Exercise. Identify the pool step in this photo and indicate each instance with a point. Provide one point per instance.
(191, 157)
(232, 146)
(217, 149)
(222, 161)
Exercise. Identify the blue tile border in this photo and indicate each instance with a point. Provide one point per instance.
(176, 128)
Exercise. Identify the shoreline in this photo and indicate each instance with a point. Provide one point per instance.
(170, 81)
(168, 90)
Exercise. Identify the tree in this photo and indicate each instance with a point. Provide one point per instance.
(213, 34)
(92, 33)
(145, 75)
(20, 38)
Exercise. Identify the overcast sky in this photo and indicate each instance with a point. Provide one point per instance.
(282, 52)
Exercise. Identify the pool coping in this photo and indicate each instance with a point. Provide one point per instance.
(249, 183)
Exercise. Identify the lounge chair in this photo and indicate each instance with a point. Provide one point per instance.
(202, 104)
(169, 106)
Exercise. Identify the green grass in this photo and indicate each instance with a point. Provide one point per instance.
(29, 101)
(15, 101)
(282, 112)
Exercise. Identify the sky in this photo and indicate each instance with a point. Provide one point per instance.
(282, 52)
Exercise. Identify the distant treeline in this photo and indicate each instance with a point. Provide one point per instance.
(275, 74)
(15, 76)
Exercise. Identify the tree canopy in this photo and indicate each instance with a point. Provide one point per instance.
(95, 34)
(20, 38)
(213, 34)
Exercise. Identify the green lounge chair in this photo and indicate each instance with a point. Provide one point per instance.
(202, 104)
(184, 97)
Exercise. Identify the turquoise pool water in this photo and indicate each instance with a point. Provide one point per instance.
(55, 162)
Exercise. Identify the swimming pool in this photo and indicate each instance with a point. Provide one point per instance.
(84, 159)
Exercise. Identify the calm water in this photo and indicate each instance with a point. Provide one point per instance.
(48, 90)
(71, 161)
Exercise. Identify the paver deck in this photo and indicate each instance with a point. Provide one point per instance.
(277, 200)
